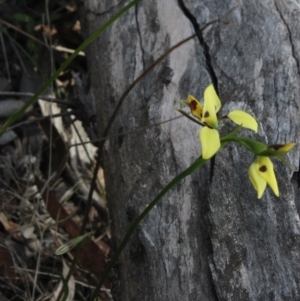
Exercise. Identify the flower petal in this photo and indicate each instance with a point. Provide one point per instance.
(195, 106)
(264, 167)
(281, 148)
(244, 119)
(210, 93)
(212, 105)
(257, 181)
(277, 150)
(210, 142)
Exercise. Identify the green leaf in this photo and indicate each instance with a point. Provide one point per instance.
(68, 246)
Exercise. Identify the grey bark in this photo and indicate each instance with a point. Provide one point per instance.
(210, 238)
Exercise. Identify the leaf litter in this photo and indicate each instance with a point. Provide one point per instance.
(44, 182)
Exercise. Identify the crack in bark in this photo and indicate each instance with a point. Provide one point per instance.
(141, 45)
(139, 35)
(296, 174)
(290, 36)
(212, 168)
(214, 79)
(208, 63)
(204, 45)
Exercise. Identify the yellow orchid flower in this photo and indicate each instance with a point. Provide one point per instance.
(209, 136)
(261, 173)
(261, 170)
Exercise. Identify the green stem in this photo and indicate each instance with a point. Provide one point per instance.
(198, 163)
(251, 145)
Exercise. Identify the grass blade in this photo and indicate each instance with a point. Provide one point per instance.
(17, 114)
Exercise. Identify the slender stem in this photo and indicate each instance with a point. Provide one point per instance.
(41, 90)
(198, 163)
(249, 144)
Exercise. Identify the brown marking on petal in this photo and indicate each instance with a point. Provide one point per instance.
(263, 168)
(193, 105)
(206, 114)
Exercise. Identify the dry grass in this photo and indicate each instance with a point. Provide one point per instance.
(44, 182)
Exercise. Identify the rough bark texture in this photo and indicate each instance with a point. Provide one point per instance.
(210, 238)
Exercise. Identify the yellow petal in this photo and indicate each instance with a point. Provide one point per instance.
(210, 93)
(210, 142)
(281, 148)
(264, 167)
(212, 105)
(287, 147)
(244, 119)
(257, 181)
(195, 106)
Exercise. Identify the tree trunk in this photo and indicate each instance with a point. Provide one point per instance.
(210, 238)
